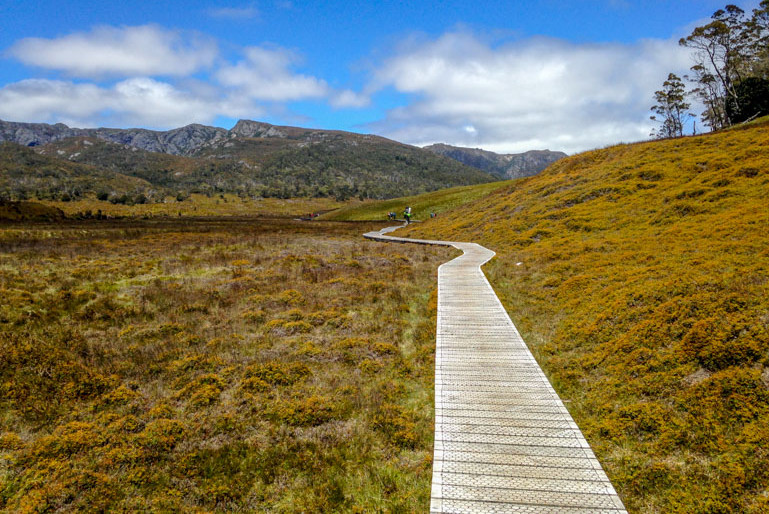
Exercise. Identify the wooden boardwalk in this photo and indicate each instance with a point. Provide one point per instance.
(504, 442)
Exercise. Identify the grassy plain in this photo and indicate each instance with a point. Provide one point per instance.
(639, 276)
(225, 364)
(422, 205)
(201, 205)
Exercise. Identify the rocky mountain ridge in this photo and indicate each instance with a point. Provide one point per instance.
(506, 166)
(189, 140)
(181, 141)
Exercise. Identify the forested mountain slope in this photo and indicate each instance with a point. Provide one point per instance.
(25, 173)
(638, 275)
(253, 159)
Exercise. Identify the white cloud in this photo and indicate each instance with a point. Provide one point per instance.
(125, 51)
(265, 74)
(134, 102)
(535, 93)
(36, 99)
(160, 104)
(349, 99)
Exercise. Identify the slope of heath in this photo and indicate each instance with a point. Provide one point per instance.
(638, 275)
(435, 202)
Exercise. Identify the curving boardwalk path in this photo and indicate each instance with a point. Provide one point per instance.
(504, 442)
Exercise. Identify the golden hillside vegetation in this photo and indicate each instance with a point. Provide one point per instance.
(638, 275)
(422, 205)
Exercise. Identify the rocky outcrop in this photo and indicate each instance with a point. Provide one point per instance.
(529, 163)
(506, 166)
(36, 134)
(181, 141)
(248, 128)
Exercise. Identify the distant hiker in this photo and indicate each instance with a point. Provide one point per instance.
(432, 214)
(407, 215)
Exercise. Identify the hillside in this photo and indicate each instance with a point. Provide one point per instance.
(159, 168)
(504, 166)
(436, 202)
(638, 276)
(28, 211)
(25, 173)
(166, 172)
(253, 159)
(351, 165)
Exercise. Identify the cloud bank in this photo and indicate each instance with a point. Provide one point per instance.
(145, 76)
(536, 93)
(137, 102)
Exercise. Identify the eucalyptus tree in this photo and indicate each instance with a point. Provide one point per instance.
(722, 51)
(671, 109)
(757, 29)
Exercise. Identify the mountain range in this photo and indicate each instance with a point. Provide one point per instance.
(188, 140)
(504, 166)
(253, 159)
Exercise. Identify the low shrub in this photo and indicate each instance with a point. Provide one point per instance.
(310, 411)
(278, 373)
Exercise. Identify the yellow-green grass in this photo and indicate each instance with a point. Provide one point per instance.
(201, 205)
(214, 365)
(422, 205)
(639, 276)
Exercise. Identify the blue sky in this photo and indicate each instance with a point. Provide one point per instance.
(501, 75)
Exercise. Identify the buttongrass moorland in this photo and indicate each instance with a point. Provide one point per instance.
(214, 365)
